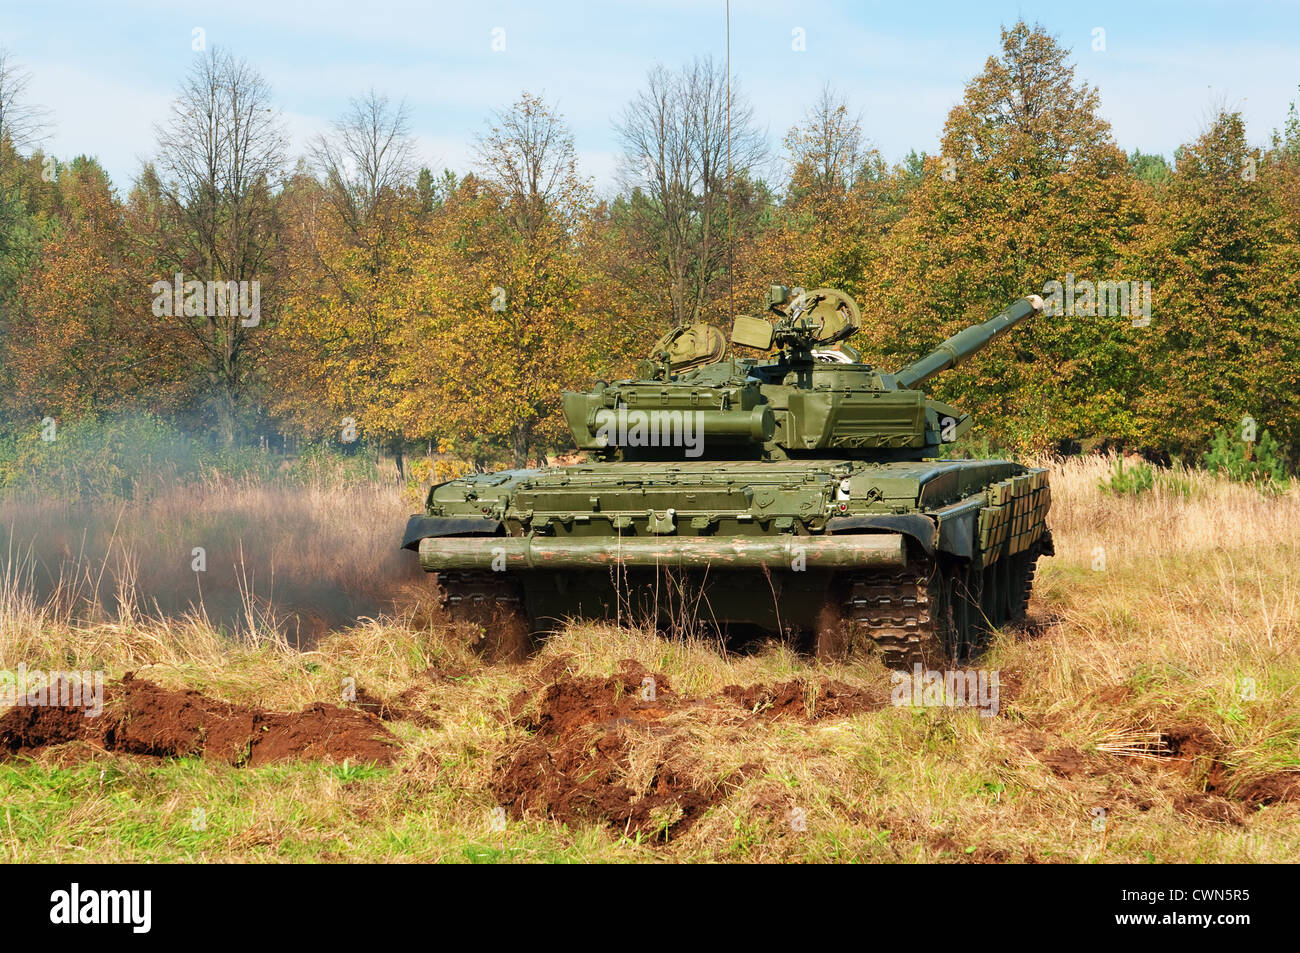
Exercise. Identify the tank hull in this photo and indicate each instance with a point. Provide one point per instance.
(913, 559)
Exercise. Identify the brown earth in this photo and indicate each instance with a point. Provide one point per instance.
(575, 766)
(633, 696)
(142, 718)
(585, 733)
(1209, 807)
(1189, 755)
(807, 700)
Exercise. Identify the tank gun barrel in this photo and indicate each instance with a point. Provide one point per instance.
(965, 343)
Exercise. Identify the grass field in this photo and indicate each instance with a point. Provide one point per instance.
(1149, 711)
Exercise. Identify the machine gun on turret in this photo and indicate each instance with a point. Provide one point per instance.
(806, 322)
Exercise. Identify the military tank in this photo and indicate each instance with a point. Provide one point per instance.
(795, 491)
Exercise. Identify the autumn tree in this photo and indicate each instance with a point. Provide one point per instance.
(22, 125)
(1030, 188)
(206, 210)
(348, 242)
(825, 152)
(81, 348)
(502, 279)
(368, 160)
(831, 212)
(1225, 338)
(1281, 170)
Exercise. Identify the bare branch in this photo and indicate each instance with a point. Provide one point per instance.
(529, 161)
(674, 136)
(25, 125)
(221, 155)
(368, 159)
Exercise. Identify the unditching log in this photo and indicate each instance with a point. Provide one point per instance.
(502, 553)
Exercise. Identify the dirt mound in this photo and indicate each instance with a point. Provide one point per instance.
(1189, 754)
(1209, 807)
(1188, 742)
(614, 750)
(142, 718)
(577, 766)
(810, 701)
(1271, 789)
(633, 696)
(577, 781)
(1195, 751)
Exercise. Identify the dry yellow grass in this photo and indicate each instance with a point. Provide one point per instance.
(1160, 690)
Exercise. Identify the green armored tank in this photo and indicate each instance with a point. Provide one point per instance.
(796, 493)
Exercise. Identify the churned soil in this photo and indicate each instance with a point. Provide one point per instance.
(142, 718)
(576, 765)
(606, 750)
(1196, 752)
(1190, 757)
(809, 701)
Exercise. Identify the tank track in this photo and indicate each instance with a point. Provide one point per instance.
(466, 592)
(494, 604)
(930, 612)
(1041, 547)
(896, 612)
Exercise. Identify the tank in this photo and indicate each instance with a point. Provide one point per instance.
(777, 486)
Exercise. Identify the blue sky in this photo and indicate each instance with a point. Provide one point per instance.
(108, 71)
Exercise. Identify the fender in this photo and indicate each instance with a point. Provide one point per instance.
(420, 527)
(920, 528)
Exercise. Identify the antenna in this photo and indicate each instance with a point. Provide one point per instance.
(731, 265)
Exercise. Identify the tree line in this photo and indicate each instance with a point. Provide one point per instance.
(351, 294)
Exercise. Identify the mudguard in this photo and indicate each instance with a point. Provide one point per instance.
(422, 527)
(920, 528)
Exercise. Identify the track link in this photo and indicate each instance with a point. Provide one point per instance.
(492, 604)
(928, 612)
(900, 613)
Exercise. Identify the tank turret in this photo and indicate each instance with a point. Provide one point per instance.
(693, 402)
